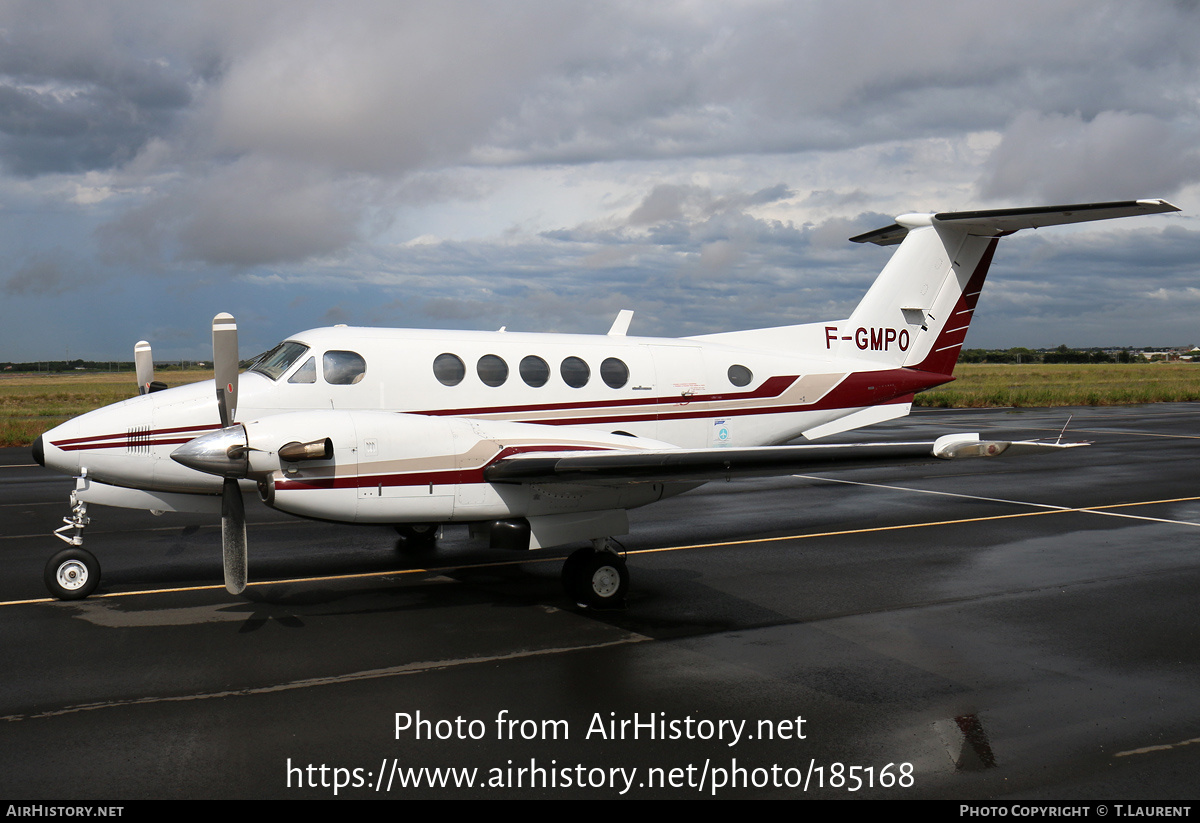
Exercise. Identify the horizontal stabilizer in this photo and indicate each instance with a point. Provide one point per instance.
(994, 222)
(683, 465)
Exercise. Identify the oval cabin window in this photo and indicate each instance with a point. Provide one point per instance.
(449, 369)
(534, 370)
(492, 370)
(740, 375)
(614, 373)
(575, 372)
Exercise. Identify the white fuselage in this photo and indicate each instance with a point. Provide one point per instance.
(573, 389)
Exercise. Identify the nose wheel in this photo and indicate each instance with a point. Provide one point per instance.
(72, 574)
(596, 577)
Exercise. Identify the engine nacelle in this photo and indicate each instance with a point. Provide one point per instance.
(382, 467)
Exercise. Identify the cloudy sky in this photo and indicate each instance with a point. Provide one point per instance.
(541, 165)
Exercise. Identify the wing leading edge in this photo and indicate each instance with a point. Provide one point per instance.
(670, 465)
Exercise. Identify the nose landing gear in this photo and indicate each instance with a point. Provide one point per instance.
(73, 573)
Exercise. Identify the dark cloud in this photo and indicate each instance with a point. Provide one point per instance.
(73, 97)
(1065, 159)
(250, 213)
(713, 157)
(47, 274)
(666, 202)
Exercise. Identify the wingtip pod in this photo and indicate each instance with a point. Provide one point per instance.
(959, 446)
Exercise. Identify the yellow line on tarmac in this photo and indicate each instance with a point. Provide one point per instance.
(714, 545)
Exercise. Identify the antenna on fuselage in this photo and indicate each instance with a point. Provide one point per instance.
(621, 325)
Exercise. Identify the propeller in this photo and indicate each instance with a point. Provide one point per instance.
(233, 509)
(226, 453)
(143, 361)
(225, 365)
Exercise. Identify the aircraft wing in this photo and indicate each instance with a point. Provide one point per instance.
(670, 465)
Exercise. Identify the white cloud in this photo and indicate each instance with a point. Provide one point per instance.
(704, 160)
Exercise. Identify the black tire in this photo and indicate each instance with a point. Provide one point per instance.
(572, 575)
(598, 580)
(72, 574)
(418, 536)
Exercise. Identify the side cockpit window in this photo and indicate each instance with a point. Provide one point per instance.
(343, 368)
(279, 359)
(306, 373)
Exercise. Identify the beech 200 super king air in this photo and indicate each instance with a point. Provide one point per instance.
(539, 440)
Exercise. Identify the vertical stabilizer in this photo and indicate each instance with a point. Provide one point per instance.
(917, 312)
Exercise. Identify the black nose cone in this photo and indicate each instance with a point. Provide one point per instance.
(39, 451)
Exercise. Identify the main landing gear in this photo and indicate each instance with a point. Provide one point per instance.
(417, 537)
(73, 573)
(596, 577)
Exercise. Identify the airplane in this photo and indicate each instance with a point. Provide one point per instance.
(539, 440)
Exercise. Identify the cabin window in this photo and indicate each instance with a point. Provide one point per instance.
(306, 373)
(575, 372)
(449, 369)
(614, 373)
(343, 368)
(492, 370)
(740, 375)
(534, 370)
(279, 359)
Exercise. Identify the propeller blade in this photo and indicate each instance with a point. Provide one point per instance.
(143, 362)
(225, 365)
(233, 537)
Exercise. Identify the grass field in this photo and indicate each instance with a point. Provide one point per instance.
(32, 403)
(983, 385)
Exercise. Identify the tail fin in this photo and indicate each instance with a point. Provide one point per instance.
(917, 312)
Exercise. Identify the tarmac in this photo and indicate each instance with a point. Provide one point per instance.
(1022, 628)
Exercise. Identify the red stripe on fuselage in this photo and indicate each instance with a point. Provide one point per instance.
(136, 442)
(123, 436)
(771, 387)
(856, 390)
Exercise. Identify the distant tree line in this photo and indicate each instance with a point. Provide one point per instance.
(1062, 354)
(94, 365)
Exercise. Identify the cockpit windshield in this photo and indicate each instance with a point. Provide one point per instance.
(275, 362)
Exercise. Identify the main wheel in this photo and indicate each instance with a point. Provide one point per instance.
(598, 579)
(418, 536)
(72, 574)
